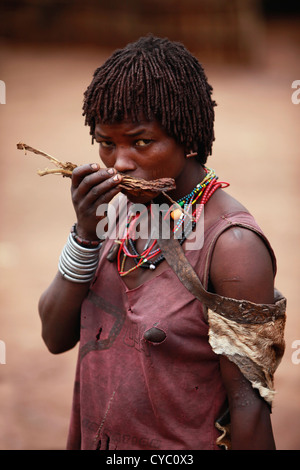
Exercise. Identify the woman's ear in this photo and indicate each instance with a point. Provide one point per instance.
(191, 154)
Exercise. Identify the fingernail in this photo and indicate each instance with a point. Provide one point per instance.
(116, 178)
(110, 171)
(94, 166)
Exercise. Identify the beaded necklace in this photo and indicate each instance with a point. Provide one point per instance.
(182, 210)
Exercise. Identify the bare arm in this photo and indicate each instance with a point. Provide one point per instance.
(60, 304)
(241, 268)
(59, 308)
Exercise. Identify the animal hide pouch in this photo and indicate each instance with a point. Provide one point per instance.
(248, 334)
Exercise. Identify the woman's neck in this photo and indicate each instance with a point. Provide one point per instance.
(191, 175)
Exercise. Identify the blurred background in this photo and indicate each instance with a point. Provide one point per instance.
(49, 50)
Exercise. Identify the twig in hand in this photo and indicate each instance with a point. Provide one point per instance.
(64, 168)
(134, 186)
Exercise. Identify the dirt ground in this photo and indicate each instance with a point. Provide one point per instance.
(256, 149)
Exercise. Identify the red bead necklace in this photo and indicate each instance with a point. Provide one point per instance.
(144, 259)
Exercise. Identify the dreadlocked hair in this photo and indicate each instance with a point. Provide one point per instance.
(156, 79)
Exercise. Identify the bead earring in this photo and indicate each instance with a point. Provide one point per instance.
(191, 154)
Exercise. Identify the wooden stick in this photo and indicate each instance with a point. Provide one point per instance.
(68, 166)
(134, 186)
(54, 171)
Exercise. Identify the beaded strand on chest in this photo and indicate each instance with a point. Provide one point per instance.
(185, 212)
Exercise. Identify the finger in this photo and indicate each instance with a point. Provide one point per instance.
(85, 180)
(101, 192)
(82, 171)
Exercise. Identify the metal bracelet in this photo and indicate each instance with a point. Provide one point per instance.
(78, 263)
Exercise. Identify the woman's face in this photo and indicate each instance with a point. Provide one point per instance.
(142, 150)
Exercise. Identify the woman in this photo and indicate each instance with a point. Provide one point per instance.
(153, 371)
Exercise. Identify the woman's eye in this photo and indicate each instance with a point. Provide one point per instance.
(105, 143)
(143, 142)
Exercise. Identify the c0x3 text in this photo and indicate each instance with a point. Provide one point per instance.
(176, 459)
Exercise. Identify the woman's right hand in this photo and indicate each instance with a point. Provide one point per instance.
(61, 303)
(92, 186)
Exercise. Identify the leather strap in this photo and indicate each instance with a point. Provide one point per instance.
(175, 257)
(241, 311)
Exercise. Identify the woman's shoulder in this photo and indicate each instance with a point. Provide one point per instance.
(242, 265)
(220, 205)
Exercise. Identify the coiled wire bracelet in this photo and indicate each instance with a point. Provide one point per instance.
(78, 263)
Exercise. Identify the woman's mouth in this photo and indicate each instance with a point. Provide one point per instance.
(139, 186)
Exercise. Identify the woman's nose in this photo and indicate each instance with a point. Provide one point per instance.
(123, 160)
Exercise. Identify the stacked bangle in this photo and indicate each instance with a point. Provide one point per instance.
(78, 263)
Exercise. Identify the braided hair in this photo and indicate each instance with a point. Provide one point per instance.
(159, 80)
